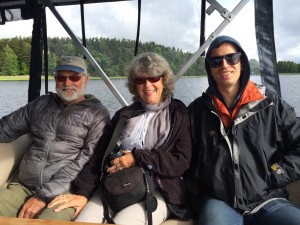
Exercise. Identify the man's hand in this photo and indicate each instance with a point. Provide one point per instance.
(69, 201)
(32, 207)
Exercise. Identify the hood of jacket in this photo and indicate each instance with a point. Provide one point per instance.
(245, 73)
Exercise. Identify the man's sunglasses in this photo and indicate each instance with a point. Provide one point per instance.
(142, 80)
(73, 78)
(231, 59)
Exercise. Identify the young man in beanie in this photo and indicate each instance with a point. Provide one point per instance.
(65, 129)
(246, 145)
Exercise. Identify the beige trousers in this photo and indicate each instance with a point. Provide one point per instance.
(132, 215)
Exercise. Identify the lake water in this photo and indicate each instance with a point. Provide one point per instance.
(14, 93)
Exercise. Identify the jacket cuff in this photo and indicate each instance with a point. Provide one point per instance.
(42, 195)
(84, 193)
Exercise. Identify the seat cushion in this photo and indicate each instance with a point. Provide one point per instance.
(294, 192)
(10, 156)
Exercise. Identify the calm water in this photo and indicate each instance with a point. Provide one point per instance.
(14, 93)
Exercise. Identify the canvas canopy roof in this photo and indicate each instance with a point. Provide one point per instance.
(13, 10)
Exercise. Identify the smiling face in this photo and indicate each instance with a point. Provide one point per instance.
(226, 76)
(69, 91)
(151, 93)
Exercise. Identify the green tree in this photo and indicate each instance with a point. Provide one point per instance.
(24, 57)
(52, 59)
(8, 63)
(288, 67)
(24, 68)
(254, 65)
(113, 56)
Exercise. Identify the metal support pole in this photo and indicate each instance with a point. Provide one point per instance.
(228, 18)
(36, 56)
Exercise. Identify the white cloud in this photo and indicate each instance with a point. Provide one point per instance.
(19, 28)
(292, 53)
(286, 29)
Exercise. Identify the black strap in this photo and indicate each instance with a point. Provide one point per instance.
(106, 210)
(113, 141)
(149, 209)
(150, 189)
(148, 176)
(115, 137)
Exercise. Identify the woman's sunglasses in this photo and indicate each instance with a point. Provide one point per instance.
(73, 78)
(142, 80)
(231, 59)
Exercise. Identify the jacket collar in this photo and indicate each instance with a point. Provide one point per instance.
(250, 94)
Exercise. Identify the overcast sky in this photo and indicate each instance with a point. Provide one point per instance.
(172, 23)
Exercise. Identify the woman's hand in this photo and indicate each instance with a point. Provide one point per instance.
(69, 201)
(124, 162)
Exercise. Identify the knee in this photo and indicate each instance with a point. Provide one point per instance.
(49, 214)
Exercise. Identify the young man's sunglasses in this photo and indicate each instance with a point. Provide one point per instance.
(231, 59)
(73, 78)
(142, 80)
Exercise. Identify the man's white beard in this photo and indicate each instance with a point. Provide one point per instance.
(66, 97)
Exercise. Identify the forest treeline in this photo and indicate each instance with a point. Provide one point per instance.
(113, 55)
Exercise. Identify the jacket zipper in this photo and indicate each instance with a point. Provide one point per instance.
(48, 145)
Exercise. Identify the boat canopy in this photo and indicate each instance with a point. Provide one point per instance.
(13, 10)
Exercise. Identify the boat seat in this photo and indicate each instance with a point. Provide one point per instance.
(11, 154)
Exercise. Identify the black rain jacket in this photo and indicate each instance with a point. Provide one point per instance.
(253, 160)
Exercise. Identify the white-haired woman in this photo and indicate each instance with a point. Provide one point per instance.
(156, 136)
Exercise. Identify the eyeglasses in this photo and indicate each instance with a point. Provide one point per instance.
(231, 59)
(142, 80)
(73, 78)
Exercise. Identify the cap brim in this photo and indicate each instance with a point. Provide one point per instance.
(69, 67)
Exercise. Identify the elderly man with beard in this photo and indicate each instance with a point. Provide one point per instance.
(65, 129)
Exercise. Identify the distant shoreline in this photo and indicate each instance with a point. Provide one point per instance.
(26, 77)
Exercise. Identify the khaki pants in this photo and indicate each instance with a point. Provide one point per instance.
(15, 195)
